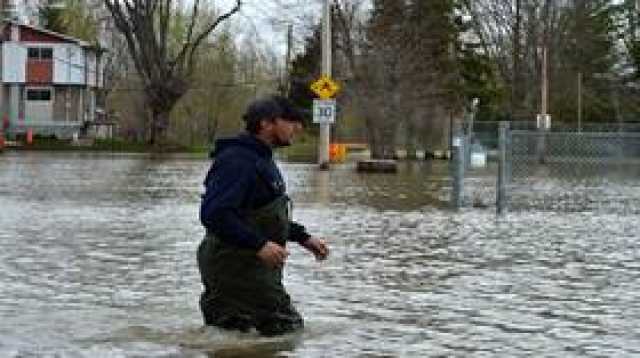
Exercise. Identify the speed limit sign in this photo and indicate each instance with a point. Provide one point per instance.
(324, 110)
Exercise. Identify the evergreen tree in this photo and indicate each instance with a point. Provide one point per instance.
(584, 62)
(388, 63)
(305, 68)
(51, 16)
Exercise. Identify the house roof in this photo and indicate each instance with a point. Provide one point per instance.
(58, 35)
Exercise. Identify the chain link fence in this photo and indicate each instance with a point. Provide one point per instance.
(594, 167)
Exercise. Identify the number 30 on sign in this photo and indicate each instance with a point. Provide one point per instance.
(324, 111)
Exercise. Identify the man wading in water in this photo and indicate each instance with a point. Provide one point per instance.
(247, 215)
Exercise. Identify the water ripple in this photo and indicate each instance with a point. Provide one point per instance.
(97, 258)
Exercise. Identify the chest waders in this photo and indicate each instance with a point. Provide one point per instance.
(241, 292)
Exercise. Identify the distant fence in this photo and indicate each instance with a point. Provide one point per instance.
(567, 168)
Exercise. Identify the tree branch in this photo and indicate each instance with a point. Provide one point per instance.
(190, 59)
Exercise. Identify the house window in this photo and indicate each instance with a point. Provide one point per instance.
(40, 53)
(38, 95)
(46, 53)
(34, 53)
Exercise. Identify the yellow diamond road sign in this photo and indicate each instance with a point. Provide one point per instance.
(325, 87)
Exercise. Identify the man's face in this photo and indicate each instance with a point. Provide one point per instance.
(282, 132)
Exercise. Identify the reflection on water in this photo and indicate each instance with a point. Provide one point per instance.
(97, 258)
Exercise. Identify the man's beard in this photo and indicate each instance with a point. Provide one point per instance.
(278, 143)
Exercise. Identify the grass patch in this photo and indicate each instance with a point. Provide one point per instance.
(304, 149)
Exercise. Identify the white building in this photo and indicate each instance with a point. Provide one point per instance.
(48, 81)
(23, 11)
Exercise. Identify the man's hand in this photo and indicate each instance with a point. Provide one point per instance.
(273, 255)
(318, 248)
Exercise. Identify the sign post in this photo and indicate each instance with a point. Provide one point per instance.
(323, 86)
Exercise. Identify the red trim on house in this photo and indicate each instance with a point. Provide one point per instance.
(39, 71)
(30, 35)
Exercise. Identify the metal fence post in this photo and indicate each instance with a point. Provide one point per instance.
(457, 170)
(501, 200)
(469, 130)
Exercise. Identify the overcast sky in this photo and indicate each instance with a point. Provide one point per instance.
(267, 20)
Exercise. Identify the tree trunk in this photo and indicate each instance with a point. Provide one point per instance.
(375, 143)
(159, 126)
(371, 139)
(390, 141)
(516, 83)
(381, 141)
(161, 101)
(410, 139)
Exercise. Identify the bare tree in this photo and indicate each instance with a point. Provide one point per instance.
(164, 67)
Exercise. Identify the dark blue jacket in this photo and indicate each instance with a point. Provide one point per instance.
(242, 177)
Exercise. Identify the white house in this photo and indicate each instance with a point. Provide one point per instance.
(48, 81)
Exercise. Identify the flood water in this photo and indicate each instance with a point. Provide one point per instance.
(97, 259)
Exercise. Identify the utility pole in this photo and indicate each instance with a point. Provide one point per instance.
(287, 83)
(285, 75)
(544, 105)
(544, 120)
(325, 128)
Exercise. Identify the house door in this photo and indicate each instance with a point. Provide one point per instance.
(39, 105)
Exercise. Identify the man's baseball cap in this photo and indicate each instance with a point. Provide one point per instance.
(273, 107)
